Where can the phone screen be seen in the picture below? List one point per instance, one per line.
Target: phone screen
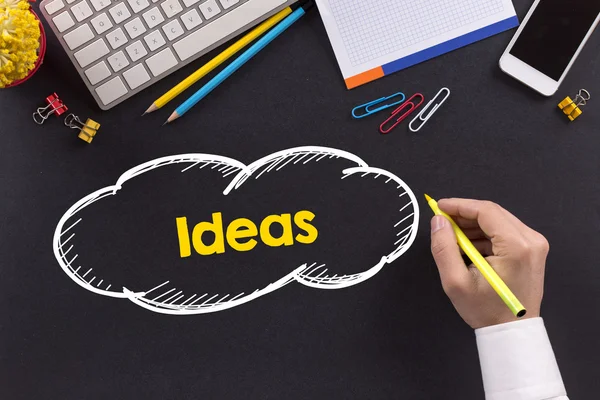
(554, 33)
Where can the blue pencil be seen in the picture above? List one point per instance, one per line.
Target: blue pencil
(238, 63)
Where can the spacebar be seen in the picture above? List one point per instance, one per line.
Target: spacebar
(224, 26)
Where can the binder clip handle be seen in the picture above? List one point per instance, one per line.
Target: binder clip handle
(55, 106)
(72, 121)
(87, 130)
(38, 117)
(584, 96)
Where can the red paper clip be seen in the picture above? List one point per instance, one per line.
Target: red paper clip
(408, 102)
(55, 106)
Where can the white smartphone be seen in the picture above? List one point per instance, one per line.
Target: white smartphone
(548, 41)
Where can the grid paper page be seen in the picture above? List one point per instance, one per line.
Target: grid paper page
(386, 25)
(366, 30)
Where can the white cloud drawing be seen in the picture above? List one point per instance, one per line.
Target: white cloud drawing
(165, 299)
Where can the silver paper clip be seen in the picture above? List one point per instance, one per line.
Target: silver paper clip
(421, 117)
(369, 111)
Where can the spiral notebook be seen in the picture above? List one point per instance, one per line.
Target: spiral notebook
(374, 38)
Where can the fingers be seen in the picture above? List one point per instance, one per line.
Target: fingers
(453, 271)
(491, 218)
(465, 223)
(474, 233)
(484, 246)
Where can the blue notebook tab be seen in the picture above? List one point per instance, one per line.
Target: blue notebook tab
(450, 45)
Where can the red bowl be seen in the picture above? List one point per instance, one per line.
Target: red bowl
(41, 53)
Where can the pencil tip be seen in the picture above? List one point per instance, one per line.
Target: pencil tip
(428, 198)
(150, 109)
(172, 118)
(166, 122)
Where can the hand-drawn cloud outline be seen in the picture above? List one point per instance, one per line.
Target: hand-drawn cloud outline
(305, 274)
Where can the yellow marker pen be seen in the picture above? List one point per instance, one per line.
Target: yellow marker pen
(482, 265)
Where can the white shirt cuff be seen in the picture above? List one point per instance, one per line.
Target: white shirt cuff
(518, 363)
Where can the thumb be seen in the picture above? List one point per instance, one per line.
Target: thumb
(446, 253)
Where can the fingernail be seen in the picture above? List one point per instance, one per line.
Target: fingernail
(438, 222)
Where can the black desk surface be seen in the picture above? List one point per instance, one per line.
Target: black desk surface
(494, 139)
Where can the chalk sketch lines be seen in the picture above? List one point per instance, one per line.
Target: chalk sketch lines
(167, 298)
(277, 161)
(409, 210)
(87, 278)
(165, 301)
(70, 227)
(220, 164)
(322, 280)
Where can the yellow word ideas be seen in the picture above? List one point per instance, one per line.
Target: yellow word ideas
(241, 232)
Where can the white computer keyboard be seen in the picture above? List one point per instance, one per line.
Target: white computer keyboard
(122, 47)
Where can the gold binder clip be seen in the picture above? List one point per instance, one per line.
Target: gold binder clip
(87, 131)
(572, 107)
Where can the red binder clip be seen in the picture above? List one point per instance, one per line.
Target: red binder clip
(413, 107)
(55, 106)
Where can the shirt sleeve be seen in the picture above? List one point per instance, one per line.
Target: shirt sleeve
(517, 362)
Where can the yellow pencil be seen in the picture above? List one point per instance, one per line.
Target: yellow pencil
(218, 60)
(482, 265)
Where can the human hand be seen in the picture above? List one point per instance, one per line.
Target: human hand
(515, 251)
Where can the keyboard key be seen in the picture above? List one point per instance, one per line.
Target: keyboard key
(91, 53)
(136, 76)
(120, 13)
(138, 5)
(111, 90)
(116, 38)
(63, 21)
(154, 40)
(122, 46)
(98, 73)
(135, 28)
(161, 62)
(118, 61)
(173, 30)
(153, 17)
(101, 23)
(224, 26)
(100, 4)
(191, 19)
(78, 36)
(136, 51)
(210, 9)
(81, 11)
(171, 7)
(228, 3)
(54, 6)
